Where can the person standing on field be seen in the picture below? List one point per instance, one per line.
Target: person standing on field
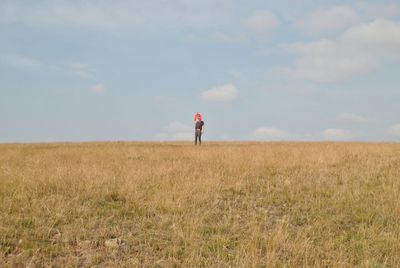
(198, 131)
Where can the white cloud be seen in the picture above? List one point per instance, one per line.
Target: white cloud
(268, 133)
(263, 23)
(19, 60)
(98, 88)
(80, 69)
(329, 19)
(395, 129)
(351, 118)
(224, 93)
(358, 51)
(337, 134)
(176, 131)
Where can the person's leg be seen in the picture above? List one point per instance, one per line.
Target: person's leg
(195, 137)
(200, 137)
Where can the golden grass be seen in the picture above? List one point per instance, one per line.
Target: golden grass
(222, 204)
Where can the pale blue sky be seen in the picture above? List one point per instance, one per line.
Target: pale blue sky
(257, 70)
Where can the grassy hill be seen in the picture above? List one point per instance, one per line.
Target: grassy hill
(221, 204)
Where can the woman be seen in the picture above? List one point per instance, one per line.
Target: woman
(198, 130)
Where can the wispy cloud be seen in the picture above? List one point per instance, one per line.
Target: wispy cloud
(358, 51)
(22, 61)
(379, 10)
(110, 15)
(51, 140)
(224, 93)
(329, 19)
(81, 69)
(337, 134)
(293, 89)
(268, 133)
(176, 131)
(225, 38)
(351, 118)
(262, 23)
(98, 88)
(394, 130)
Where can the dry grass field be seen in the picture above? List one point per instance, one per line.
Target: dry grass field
(220, 205)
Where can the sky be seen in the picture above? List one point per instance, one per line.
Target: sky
(301, 70)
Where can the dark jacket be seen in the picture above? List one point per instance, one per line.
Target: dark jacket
(199, 125)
